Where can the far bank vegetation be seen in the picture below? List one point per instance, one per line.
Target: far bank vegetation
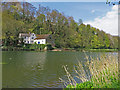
(23, 17)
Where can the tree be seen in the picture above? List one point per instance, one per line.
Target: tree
(23, 18)
(80, 22)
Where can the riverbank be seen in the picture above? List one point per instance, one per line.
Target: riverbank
(15, 49)
(57, 49)
(102, 50)
(88, 50)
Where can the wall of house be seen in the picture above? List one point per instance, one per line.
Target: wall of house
(30, 40)
(26, 40)
(40, 41)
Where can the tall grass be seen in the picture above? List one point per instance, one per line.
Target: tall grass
(100, 72)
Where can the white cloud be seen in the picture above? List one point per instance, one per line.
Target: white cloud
(107, 23)
(92, 11)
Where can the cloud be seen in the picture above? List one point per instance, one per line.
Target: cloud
(92, 11)
(107, 23)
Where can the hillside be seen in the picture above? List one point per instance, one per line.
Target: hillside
(20, 17)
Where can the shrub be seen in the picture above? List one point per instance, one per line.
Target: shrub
(49, 47)
(35, 46)
(103, 73)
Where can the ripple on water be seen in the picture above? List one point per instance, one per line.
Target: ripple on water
(48, 84)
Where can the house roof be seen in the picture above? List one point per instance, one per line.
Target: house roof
(24, 34)
(43, 36)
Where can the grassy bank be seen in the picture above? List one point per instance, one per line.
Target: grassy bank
(34, 47)
(97, 50)
(102, 50)
(26, 47)
(99, 73)
(88, 50)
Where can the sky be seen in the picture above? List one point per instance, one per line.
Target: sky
(108, 22)
(57, 0)
(61, 0)
(97, 14)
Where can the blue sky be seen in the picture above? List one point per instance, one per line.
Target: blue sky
(79, 10)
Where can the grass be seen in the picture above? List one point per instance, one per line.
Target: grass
(100, 72)
(102, 50)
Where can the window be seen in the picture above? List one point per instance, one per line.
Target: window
(32, 37)
(38, 42)
(28, 41)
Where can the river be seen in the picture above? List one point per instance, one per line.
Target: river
(30, 69)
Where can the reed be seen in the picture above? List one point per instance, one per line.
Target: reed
(100, 72)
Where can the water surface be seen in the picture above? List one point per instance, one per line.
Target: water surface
(30, 69)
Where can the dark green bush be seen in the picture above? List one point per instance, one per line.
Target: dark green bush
(49, 47)
(35, 46)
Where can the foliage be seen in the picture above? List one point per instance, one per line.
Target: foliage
(113, 2)
(24, 17)
(103, 73)
(87, 84)
(35, 46)
(49, 47)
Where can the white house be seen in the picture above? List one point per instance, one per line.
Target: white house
(41, 39)
(32, 38)
(27, 38)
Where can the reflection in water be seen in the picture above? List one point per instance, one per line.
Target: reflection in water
(22, 67)
(38, 62)
(26, 69)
